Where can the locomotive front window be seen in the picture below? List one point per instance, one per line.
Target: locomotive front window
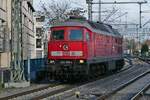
(76, 35)
(58, 35)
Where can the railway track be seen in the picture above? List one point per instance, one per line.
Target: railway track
(28, 91)
(46, 91)
(67, 94)
(70, 94)
(126, 87)
(88, 91)
(144, 60)
(141, 92)
(51, 91)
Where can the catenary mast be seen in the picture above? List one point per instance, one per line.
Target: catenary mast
(17, 69)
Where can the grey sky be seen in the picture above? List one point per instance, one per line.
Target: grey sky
(132, 9)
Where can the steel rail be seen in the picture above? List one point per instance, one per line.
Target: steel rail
(51, 93)
(26, 92)
(72, 91)
(71, 88)
(104, 96)
(144, 60)
(136, 96)
(49, 86)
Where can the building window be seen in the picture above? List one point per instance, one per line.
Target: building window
(39, 32)
(87, 36)
(38, 54)
(26, 21)
(1, 45)
(40, 19)
(38, 43)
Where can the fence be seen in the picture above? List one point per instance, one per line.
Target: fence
(4, 75)
(36, 65)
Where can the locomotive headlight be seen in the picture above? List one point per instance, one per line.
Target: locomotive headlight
(76, 53)
(51, 61)
(81, 61)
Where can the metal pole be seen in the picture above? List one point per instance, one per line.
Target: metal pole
(91, 12)
(21, 40)
(140, 14)
(11, 46)
(28, 68)
(2, 76)
(137, 30)
(99, 10)
(17, 68)
(89, 2)
(89, 17)
(140, 3)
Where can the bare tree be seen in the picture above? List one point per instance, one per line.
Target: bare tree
(77, 12)
(60, 11)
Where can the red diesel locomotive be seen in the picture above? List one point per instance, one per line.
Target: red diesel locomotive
(81, 48)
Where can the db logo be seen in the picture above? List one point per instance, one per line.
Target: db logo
(65, 47)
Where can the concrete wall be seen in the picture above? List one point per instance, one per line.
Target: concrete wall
(4, 60)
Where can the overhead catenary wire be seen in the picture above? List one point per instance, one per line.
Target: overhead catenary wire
(89, 2)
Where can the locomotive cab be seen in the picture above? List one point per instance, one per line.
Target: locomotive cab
(68, 45)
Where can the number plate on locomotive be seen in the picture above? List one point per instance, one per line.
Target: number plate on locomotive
(66, 53)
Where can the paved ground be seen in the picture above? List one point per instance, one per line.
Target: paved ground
(6, 92)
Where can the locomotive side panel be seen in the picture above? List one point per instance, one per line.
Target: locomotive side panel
(89, 40)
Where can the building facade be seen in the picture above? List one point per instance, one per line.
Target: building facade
(28, 30)
(4, 34)
(3, 21)
(39, 20)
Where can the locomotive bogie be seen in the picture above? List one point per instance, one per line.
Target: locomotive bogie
(67, 69)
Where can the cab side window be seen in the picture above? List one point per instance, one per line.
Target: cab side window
(87, 36)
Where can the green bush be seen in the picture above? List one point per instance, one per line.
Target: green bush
(144, 50)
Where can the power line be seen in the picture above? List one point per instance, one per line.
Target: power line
(90, 3)
(115, 2)
(119, 16)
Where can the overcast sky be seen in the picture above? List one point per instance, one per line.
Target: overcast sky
(132, 9)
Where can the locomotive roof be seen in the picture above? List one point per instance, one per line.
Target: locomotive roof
(97, 27)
